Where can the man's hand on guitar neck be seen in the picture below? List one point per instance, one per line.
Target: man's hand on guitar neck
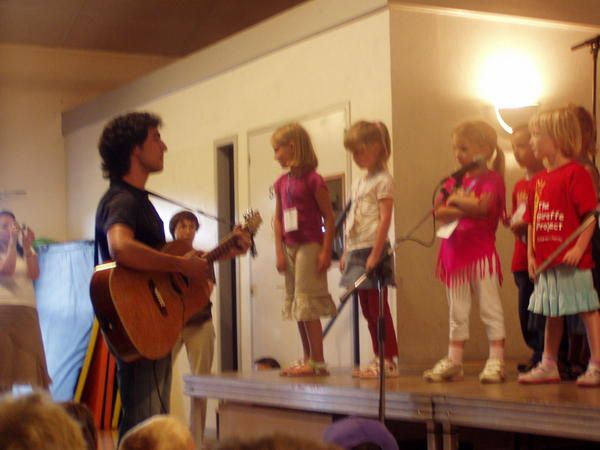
(243, 241)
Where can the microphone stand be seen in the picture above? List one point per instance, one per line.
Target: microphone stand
(574, 235)
(594, 44)
(377, 273)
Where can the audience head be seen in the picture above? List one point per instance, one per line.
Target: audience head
(7, 222)
(478, 138)
(120, 136)
(561, 125)
(277, 441)
(82, 414)
(369, 140)
(184, 225)
(34, 422)
(294, 139)
(266, 363)
(354, 433)
(158, 433)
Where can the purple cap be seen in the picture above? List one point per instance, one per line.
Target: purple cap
(353, 431)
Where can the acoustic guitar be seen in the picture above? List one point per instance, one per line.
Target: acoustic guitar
(142, 313)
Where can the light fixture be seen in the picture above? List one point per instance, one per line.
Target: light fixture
(510, 81)
(509, 118)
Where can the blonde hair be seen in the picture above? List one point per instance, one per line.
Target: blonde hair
(304, 154)
(33, 421)
(363, 132)
(483, 134)
(562, 125)
(160, 432)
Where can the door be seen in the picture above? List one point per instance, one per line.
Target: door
(271, 335)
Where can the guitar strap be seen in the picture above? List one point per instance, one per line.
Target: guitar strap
(181, 205)
(189, 208)
(205, 214)
(96, 251)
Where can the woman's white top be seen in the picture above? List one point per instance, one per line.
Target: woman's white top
(17, 289)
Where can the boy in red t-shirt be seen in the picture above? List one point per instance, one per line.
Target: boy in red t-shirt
(532, 325)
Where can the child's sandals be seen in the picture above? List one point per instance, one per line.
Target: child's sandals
(372, 370)
(292, 366)
(308, 368)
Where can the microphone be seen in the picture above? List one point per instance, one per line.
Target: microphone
(458, 175)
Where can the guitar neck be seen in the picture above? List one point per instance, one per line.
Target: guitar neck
(221, 250)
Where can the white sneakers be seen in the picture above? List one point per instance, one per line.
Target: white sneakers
(444, 370)
(493, 372)
(447, 370)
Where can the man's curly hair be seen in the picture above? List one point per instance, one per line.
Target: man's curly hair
(119, 138)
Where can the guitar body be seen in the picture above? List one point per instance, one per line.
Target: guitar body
(142, 314)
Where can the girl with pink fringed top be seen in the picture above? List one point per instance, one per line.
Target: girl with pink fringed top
(468, 262)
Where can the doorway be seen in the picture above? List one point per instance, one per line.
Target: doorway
(227, 273)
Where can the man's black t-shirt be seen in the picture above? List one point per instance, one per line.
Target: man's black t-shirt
(127, 205)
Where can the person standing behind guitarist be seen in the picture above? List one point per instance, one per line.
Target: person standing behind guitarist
(130, 231)
(198, 335)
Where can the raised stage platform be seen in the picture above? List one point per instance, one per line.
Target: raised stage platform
(561, 410)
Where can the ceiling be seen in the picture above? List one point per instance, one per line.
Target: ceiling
(171, 28)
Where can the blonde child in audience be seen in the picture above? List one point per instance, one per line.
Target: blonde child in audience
(160, 432)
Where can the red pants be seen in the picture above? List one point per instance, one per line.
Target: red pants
(369, 303)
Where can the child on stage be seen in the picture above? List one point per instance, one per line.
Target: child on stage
(303, 251)
(532, 325)
(560, 200)
(468, 262)
(367, 240)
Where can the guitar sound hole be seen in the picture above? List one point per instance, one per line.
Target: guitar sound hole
(175, 285)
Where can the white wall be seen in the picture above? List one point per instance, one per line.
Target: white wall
(436, 61)
(36, 86)
(349, 63)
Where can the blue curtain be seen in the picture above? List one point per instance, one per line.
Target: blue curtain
(65, 310)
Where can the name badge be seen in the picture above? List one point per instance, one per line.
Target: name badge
(446, 230)
(290, 219)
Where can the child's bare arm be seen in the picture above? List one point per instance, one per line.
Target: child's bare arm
(322, 197)
(447, 214)
(470, 204)
(574, 254)
(278, 229)
(386, 205)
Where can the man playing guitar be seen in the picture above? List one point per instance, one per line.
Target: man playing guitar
(130, 231)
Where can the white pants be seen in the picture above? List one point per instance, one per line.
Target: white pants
(199, 343)
(486, 290)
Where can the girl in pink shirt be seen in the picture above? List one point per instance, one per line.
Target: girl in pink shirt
(560, 200)
(468, 262)
(302, 249)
